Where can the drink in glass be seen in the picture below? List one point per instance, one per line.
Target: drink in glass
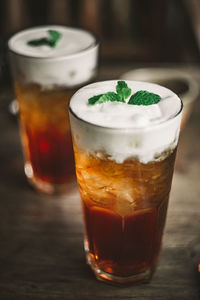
(124, 156)
(45, 78)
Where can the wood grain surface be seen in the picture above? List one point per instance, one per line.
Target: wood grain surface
(41, 237)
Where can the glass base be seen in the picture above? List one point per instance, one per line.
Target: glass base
(46, 187)
(143, 277)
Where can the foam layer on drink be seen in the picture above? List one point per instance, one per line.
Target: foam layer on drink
(122, 131)
(72, 62)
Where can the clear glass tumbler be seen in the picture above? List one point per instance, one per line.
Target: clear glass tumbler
(45, 78)
(124, 176)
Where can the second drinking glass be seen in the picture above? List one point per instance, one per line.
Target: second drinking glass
(48, 64)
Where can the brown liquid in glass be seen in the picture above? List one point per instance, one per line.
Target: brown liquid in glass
(124, 209)
(45, 131)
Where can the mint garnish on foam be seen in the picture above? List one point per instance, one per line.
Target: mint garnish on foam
(123, 92)
(50, 41)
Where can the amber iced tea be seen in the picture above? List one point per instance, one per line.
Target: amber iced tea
(45, 133)
(124, 209)
(124, 156)
(48, 64)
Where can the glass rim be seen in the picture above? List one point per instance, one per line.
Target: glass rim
(128, 128)
(94, 45)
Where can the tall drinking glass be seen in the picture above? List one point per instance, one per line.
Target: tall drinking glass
(46, 73)
(124, 156)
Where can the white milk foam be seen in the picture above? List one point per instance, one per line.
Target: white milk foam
(139, 131)
(72, 62)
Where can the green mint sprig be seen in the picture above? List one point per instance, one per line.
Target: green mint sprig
(123, 92)
(51, 41)
(144, 98)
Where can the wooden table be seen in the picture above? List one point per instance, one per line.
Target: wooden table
(41, 237)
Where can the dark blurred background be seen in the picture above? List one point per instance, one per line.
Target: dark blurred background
(130, 31)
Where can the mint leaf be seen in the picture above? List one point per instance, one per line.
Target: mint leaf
(54, 36)
(123, 90)
(109, 96)
(39, 42)
(94, 99)
(51, 41)
(144, 98)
